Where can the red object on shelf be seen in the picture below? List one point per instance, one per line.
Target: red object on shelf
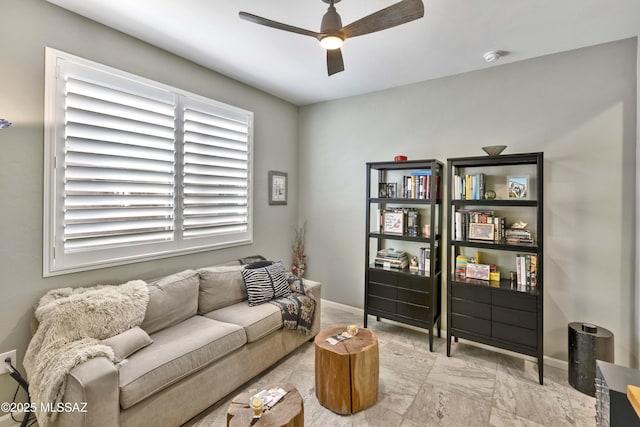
(399, 158)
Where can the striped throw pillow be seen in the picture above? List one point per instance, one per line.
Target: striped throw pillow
(265, 283)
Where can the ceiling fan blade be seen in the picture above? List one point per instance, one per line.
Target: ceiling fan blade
(396, 14)
(278, 25)
(334, 61)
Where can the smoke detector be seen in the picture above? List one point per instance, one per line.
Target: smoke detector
(492, 55)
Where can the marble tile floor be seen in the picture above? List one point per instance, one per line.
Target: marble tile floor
(417, 388)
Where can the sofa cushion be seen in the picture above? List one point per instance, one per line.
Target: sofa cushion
(172, 299)
(176, 352)
(128, 342)
(257, 321)
(220, 286)
(265, 283)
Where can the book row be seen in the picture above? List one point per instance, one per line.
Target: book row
(484, 225)
(469, 187)
(414, 186)
(523, 279)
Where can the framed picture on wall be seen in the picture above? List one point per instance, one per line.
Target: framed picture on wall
(277, 188)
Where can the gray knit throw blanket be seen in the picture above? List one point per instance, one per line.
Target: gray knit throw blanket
(298, 310)
(71, 324)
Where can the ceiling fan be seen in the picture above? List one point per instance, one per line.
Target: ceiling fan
(332, 34)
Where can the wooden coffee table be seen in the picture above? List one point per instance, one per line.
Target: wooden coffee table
(288, 412)
(347, 373)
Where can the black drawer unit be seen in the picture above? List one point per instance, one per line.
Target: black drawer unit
(497, 316)
(403, 297)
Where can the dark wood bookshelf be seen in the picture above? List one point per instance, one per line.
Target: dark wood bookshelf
(497, 313)
(406, 296)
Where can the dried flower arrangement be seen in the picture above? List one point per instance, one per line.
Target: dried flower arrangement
(299, 256)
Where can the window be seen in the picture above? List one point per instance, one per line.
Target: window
(138, 170)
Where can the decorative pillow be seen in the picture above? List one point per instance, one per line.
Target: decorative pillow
(128, 342)
(265, 283)
(258, 264)
(251, 259)
(220, 286)
(172, 299)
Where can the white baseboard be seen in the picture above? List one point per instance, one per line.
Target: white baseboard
(548, 361)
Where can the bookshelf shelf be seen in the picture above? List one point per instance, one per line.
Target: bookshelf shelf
(388, 200)
(529, 248)
(404, 295)
(406, 238)
(490, 203)
(502, 313)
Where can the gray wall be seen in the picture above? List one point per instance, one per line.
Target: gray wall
(578, 107)
(26, 27)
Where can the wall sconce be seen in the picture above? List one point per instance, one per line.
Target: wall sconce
(4, 123)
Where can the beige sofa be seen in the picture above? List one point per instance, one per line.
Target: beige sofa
(207, 342)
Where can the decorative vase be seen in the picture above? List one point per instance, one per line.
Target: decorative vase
(489, 194)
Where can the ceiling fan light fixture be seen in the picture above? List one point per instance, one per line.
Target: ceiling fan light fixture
(331, 42)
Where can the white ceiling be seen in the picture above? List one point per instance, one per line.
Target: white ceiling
(450, 39)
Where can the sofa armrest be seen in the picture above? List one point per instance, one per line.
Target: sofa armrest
(315, 288)
(96, 383)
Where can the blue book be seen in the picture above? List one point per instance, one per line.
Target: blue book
(424, 172)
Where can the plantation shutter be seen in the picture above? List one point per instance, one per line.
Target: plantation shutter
(137, 170)
(119, 163)
(216, 171)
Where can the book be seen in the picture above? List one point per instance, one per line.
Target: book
(527, 272)
(461, 266)
(270, 397)
(391, 253)
(420, 172)
(534, 271)
(518, 272)
(335, 339)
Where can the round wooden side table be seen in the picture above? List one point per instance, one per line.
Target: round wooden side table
(347, 373)
(288, 412)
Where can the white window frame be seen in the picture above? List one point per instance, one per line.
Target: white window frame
(58, 261)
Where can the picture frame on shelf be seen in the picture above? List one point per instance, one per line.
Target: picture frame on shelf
(478, 271)
(392, 190)
(393, 223)
(480, 231)
(278, 188)
(518, 187)
(383, 190)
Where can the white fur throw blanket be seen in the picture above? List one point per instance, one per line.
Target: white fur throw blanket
(72, 322)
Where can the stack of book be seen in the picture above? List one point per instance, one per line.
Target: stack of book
(389, 258)
(518, 235)
(461, 266)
